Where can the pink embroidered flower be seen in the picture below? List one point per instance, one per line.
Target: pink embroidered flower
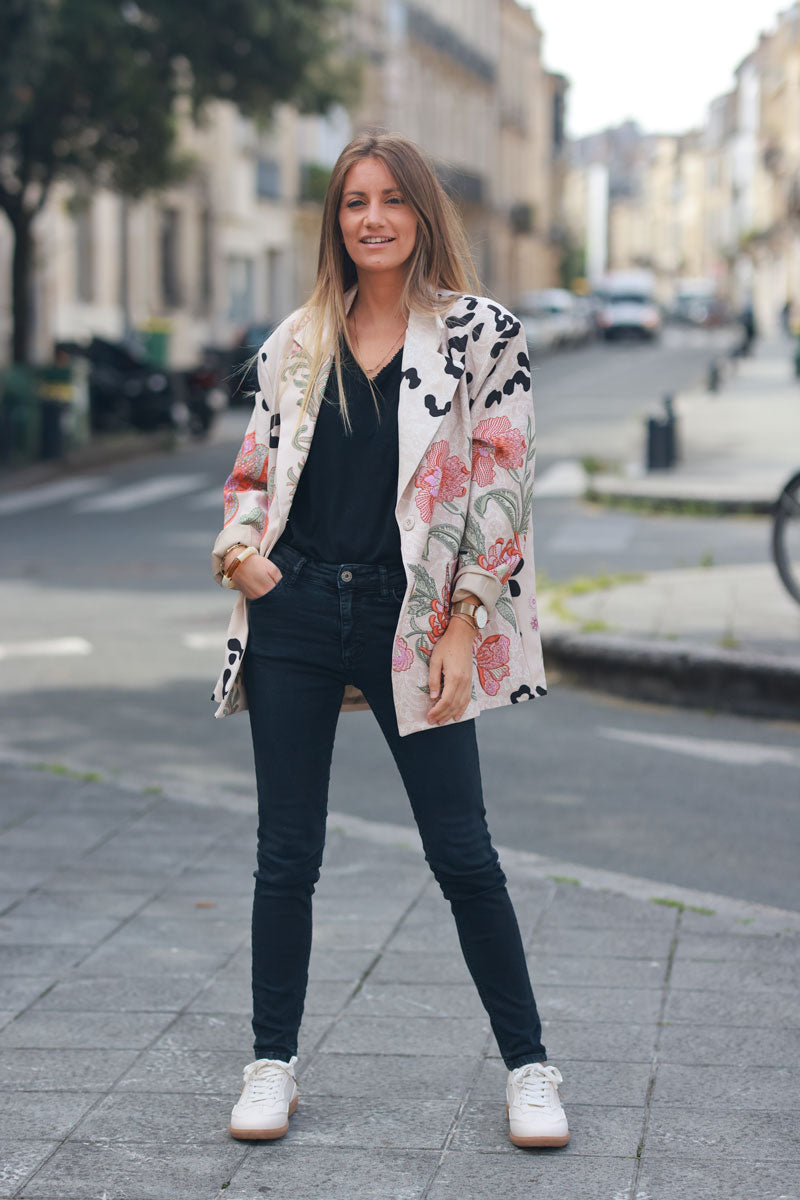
(402, 655)
(494, 441)
(439, 617)
(250, 467)
(535, 617)
(502, 557)
(492, 662)
(440, 478)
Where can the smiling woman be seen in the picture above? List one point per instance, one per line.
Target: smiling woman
(386, 480)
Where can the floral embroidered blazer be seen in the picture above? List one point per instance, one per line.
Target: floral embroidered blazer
(464, 492)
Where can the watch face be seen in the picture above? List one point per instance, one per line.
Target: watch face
(481, 616)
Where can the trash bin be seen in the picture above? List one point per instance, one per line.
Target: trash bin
(54, 390)
(155, 339)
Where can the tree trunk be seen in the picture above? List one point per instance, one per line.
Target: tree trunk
(21, 298)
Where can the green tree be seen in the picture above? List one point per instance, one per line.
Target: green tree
(89, 91)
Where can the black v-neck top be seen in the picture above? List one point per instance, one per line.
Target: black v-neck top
(343, 508)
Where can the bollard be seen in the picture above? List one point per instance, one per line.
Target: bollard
(714, 377)
(662, 438)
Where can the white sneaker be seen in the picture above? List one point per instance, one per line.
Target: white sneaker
(268, 1099)
(535, 1115)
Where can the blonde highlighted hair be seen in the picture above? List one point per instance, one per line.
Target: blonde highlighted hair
(440, 260)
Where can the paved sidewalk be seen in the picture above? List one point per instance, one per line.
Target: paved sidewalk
(125, 998)
(714, 636)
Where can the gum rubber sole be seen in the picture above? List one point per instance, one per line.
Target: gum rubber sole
(263, 1135)
(542, 1141)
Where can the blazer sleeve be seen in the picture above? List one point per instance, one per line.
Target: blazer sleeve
(501, 479)
(247, 491)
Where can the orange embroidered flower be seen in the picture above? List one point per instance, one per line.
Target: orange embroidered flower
(440, 478)
(495, 441)
(502, 557)
(492, 662)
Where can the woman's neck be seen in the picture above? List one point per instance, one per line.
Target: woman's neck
(377, 303)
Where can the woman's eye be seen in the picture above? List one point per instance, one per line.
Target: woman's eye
(395, 200)
(353, 203)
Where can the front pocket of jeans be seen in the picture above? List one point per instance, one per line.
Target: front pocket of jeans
(271, 592)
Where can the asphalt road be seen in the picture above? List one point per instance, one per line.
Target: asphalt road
(116, 563)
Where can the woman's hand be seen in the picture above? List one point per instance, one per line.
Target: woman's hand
(450, 674)
(255, 576)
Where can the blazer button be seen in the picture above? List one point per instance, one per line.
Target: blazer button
(408, 523)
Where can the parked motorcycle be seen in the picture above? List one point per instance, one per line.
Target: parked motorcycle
(126, 389)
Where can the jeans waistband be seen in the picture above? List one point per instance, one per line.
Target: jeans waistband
(368, 577)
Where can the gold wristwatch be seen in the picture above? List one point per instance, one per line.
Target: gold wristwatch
(477, 613)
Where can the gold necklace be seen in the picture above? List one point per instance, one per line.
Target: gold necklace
(371, 372)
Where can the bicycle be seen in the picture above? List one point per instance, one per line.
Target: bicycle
(786, 536)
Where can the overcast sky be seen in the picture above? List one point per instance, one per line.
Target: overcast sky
(658, 63)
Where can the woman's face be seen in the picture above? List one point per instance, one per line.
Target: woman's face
(378, 227)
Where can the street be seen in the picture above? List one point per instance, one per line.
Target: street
(112, 631)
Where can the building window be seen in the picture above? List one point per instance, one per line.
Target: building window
(206, 288)
(240, 276)
(170, 258)
(268, 179)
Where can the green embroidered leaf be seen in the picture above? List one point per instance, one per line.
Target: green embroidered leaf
(473, 535)
(424, 585)
(507, 500)
(450, 506)
(448, 535)
(506, 610)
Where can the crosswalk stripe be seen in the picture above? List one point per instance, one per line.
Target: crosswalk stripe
(204, 641)
(33, 499)
(46, 648)
(210, 499)
(137, 495)
(740, 754)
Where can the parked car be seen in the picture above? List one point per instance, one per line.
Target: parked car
(627, 306)
(554, 318)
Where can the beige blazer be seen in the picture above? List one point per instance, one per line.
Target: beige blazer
(464, 492)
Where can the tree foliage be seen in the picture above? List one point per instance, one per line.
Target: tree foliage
(89, 89)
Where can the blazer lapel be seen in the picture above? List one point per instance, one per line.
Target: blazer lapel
(426, 391)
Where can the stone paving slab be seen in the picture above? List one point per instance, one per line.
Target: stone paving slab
(411, 1000)
(733, 1086)
(601, 1041)
(167, 992)
(53, 1029)
(27, 1115)
(424, 1035)
(42, 1070)
(294, 1172)
(719, 1135)
(779, 1010)
(395, 1122)
(134, 1171)
(616, 1084)
(679, 1178)
(740, 977)
(409, 1076)
(726, 947)
(545, 1175)
(18, 1160)
(577, 971)
(714, 1044)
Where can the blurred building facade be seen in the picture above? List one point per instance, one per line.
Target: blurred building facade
(236, 244)
(721, 202)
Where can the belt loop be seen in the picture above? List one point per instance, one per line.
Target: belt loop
(384, 578)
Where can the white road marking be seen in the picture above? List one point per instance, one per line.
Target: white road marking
(137, 495)
(204, 641)
(210, 499)
(35, 498)
(740, 754)
(47, 648)
(566, 479)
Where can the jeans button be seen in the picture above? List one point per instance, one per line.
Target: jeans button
(346, 576)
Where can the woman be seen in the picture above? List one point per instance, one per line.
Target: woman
(387, 563)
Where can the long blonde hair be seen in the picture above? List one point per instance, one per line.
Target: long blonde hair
(440, 260)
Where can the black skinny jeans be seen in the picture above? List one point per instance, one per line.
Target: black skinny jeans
(322, 626)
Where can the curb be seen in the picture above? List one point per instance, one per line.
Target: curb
(680, 673)
(678, 502)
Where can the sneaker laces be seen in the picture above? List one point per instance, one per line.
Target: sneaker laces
(262, 1081)
(534, 1081)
